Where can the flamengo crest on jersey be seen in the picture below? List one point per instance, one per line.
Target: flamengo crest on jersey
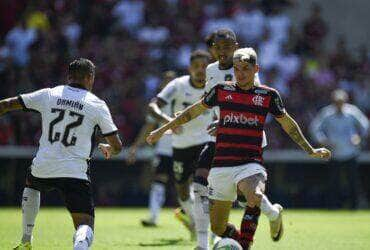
(69, 117)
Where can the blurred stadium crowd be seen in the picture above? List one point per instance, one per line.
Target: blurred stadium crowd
(133, 41)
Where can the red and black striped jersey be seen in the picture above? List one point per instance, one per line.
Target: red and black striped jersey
(242, 118)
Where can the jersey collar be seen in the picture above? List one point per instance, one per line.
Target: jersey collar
(77, 85)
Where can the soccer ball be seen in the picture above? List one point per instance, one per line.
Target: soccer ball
(227, 244)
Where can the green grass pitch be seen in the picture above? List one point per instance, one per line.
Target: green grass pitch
(120, 229)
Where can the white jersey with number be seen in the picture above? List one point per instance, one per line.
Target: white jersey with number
(69, 118)
(215, 75)
(179, 94)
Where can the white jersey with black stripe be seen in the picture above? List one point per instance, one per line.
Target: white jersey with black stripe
(69, 116)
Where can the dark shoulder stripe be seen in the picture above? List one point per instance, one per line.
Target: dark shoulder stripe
(240, 152)
(245, 108)
(259, 126)
(257, 141)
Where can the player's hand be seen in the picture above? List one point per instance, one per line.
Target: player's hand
(154, 136)
(212, 128)
(321, 153)
(131, 156)
(105, 149)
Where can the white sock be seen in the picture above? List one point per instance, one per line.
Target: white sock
(156, 199)
(187, 206)
(268, 209)
(201, 214)
(83, 238)
(30, 209)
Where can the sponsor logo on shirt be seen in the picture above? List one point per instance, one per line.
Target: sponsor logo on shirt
(240, 119)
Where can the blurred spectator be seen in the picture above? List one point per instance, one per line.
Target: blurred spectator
(130, 13)
(315, 29)
(343, 128)
(18, 41)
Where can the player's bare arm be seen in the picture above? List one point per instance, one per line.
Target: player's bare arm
(113, 147)
(185, 116)
(139, 141)
(9, 104)
(292, 128)
(156, 111)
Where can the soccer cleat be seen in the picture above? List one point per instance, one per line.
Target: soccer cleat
(148, 223)
(23, 246)
(185, 220)
(276, 226)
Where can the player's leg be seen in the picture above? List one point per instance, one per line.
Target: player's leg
(219, 212)
(157, 194)
(182, 170)
(79, 201)
(30, 209)
(201, 202)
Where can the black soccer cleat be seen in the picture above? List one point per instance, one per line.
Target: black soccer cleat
(148, 223)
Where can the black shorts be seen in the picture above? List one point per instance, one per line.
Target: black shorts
(185, 161)
(206, 156)
(164, 165)
(77, 193)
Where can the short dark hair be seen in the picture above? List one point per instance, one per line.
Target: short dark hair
(200, 54)
(225, 33)
(80, 68)
(209, 40)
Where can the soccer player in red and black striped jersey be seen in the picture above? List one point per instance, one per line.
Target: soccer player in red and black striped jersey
(238, 161)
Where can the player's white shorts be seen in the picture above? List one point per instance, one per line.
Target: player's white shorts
(223, 180)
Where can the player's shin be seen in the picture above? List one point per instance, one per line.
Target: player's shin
(201, 211)
(156, 200)
(30, 209)
(83, 238)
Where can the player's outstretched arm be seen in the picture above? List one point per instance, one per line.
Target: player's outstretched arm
(291, 127)
(139, 141)
(185, 116)
(10, 104)
(155, 109)
(113, 147)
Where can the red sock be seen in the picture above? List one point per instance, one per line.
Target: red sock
(249, 226)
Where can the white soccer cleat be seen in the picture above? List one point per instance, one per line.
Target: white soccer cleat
(276, 226)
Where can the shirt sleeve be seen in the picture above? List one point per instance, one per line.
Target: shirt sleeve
(317, 126)
(361, 120)
(277, 107)
(168, 93)
(105, 121)
(210, 98)
(35, 100)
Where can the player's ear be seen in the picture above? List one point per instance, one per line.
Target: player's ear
(256, 68)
